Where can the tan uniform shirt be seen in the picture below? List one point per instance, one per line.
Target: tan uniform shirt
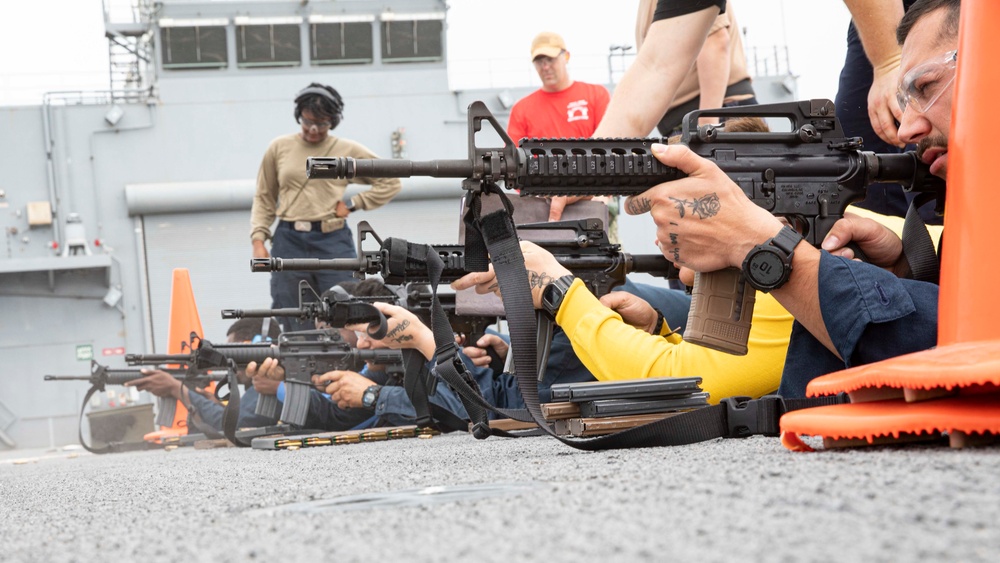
(284, 191)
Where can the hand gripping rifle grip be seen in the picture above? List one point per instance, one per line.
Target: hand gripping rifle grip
(721, 310)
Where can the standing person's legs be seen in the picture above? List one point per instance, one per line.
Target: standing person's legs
(288, 243)
(336, 244)
(852, 112)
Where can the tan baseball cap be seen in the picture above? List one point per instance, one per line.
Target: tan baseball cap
(547, 44)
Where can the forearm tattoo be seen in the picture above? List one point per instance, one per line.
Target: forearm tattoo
(638, 205)
(539, 279)
(703, 207)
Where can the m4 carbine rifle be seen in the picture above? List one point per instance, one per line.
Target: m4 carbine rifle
(166, 408)
(588, 254)
(337, 311)
(809, 174)
(301, 354)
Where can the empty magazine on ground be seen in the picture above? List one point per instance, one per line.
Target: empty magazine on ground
(247, 434)
(660, 387)
(620, 407)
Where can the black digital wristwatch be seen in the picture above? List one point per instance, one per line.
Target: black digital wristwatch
(553, 294)
(768, 266)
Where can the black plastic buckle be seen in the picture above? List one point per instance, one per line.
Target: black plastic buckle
(746, 417)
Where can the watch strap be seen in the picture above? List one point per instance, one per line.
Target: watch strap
(781, 244)
(786, 239)
(553, 294)
(373, 392)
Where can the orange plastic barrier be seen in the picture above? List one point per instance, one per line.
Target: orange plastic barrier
(959, 365)
(975, 414)
(969, 307)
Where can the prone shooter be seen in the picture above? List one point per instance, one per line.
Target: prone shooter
(809, 174)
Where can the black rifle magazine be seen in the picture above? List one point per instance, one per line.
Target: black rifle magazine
(247, 434)
(619, 407)
(658, 387)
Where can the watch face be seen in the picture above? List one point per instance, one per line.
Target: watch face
(766, 269)
(368, 398)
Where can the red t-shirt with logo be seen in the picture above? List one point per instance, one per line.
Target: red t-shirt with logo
(570, 113)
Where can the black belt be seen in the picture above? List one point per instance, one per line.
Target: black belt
(314, 225)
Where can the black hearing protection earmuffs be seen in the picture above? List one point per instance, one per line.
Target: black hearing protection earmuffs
(331, 95)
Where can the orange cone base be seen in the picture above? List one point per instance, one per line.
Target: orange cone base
(965, 364)
(871, 423)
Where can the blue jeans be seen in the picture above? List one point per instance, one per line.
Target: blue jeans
(289, 243)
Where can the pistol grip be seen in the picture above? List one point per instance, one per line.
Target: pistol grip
(267, 405)
(721, 311)
(166, 410)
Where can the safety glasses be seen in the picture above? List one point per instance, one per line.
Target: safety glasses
(924, 83)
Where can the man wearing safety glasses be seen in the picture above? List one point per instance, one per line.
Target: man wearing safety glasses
(847, 312)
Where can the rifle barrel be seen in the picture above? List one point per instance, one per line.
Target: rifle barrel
(289, 264)
(347, 167)
(260, 313)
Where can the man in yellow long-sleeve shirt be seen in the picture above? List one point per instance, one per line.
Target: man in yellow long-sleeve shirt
(617, 344)
(622, 337)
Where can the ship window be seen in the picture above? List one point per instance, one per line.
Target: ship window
(268, 45)
(412, 40)
(193, 47)
(341, 43)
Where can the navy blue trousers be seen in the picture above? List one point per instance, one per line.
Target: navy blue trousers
(852, 111)
(289, 243)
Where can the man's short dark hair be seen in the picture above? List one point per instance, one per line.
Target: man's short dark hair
(347, 286)
(371, 287)
(244, 330)
(922, 8)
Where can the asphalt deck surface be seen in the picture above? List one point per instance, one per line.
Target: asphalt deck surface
(503, 500)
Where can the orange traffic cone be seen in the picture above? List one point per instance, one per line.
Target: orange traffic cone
(184, 320)
(969, 308)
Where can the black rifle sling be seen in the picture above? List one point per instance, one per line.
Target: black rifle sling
(86, 398)
(416, 386)
(447, 363)
(418, 381)
(918, 247)
(734, 417)
(231, 414)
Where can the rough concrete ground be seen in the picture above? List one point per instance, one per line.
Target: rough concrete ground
(724, 500)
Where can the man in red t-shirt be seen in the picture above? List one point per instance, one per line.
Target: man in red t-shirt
(561, 107)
